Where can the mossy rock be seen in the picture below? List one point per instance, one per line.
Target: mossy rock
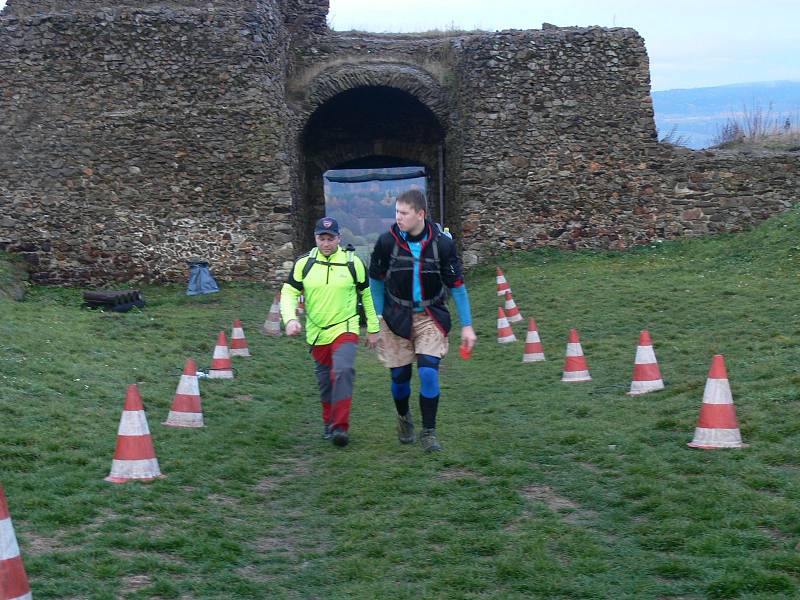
(13, 277)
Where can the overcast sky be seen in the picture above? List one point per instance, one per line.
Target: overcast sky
(691, 43)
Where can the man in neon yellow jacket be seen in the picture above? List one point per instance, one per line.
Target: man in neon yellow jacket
(331, 280)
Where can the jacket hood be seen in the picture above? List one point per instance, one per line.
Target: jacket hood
(432, 232)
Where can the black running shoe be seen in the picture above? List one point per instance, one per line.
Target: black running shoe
(340, 437)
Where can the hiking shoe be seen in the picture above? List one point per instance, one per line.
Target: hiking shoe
(405, 429)
(427, 438)
(340, 437)
(326, 432)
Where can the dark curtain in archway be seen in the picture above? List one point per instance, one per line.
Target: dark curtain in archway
(367, 127)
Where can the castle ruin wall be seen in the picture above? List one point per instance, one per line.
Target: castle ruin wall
(136, 136)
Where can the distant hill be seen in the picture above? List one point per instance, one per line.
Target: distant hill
(698, 113)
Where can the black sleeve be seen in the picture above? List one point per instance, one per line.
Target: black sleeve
(298, 285)
(360, 285)
(379, 261)
(450, 263)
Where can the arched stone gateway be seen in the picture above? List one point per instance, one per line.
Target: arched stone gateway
(137, 134)
(367, 116)
(412, 79)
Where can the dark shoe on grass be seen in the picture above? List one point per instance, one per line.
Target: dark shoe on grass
(405, 429)
(340, 437)
(427, 438)
(326, 432)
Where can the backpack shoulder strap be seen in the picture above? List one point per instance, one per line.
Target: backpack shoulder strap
(395, 257)
(360, 285)
(312, 258)
(351, 266)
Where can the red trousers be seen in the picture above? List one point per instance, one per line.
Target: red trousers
(336, 373)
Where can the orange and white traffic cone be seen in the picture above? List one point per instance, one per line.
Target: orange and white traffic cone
(646, 374)
(533, 345)
(512, 312)
(238, 341)
(272, 326)
(717, 426)
(505, 334)
(502, 284)
(13, 580)
(186, 409)
(575, 367)
(134, 457)
(221, 366)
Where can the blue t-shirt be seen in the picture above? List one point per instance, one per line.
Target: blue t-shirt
(416, 251)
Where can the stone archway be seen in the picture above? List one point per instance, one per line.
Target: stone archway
(368, 116)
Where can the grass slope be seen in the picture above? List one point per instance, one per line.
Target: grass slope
(545, 490)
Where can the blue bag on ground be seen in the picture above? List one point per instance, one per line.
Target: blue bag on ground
(200, 279)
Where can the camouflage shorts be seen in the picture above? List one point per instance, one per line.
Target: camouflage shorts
(426, 338)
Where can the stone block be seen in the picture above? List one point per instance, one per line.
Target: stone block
(692, 214)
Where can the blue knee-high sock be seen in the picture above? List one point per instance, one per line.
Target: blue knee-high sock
(428, 367)
(401, 388)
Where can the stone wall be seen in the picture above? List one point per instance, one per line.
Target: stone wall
(719, 191)
(550, 138)
(136, 138)
(306, 17)
(672, 193)
(21, 8)
(139, 135)
(544, 112)
(559, 148)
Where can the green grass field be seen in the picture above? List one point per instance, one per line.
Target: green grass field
(544, 490)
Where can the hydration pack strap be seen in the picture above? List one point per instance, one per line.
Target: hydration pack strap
(429, 266)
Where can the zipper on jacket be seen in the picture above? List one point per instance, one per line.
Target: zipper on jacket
(327, 268)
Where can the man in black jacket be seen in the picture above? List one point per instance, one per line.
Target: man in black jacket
(410, 267)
